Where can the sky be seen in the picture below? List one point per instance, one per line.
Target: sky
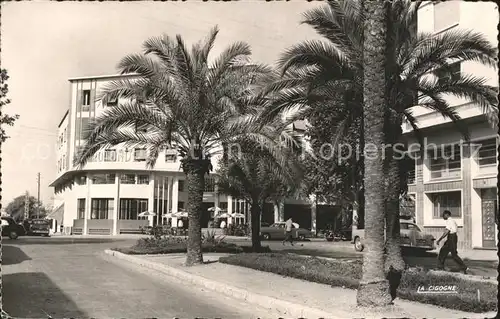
(43, 44)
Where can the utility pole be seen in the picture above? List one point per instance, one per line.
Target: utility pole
(26, 206)
(38, 199)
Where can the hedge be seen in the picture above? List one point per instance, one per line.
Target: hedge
(347, 273)
(172, 245)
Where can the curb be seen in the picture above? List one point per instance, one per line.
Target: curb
(285, 307)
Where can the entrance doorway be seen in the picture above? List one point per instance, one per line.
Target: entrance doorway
(489, 210)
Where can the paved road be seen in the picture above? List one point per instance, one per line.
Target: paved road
(61, 279)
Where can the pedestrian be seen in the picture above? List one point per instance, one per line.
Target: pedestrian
(223, 224)
(288, 231)
(450, 245)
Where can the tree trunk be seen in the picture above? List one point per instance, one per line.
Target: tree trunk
(394, 263)
(255, 212)
(314, 202)
(374, 289)
(195, 170)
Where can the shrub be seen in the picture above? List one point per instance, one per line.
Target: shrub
(237, 230)
(347, 273)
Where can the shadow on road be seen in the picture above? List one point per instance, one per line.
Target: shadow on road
(13, 255)
(34, 295)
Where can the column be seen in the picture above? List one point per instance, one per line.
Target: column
(163, 208)
(116, 205)
(88, 205)
(216, 194)
(313, 199)
(175, 198)
(467, 194)
(229, 208)
(151, 197)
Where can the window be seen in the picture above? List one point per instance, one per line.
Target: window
(102, 208)
(103, 179)
(84, 128)
(446, 14)
(64, 136)
(180, 185)
(80, 208)
(130, 208)
(449, 73)
(445, 162)
(180, 205)
(81, 180)
(209, 184)
(86, 98)
(409, 165)
(170, 156)
(110, 155)
(64, 161)
(223, 205)
(142, 179)
(140, 154)
(487, 153)
(451, 201)
(127, 179)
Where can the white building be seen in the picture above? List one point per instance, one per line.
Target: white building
(106, 195)
(467, 184)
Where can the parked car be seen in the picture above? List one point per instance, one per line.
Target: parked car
(10, 228)
(412, 236)
(39, 227)
(277, 231)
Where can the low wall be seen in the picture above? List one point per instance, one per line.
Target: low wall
(77, 227)
(100, 226)
(131, 226)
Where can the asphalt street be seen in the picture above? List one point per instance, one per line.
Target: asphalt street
(74, 279)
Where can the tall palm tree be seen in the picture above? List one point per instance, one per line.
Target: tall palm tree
(179, 100)
(373, 289)
(257, 177)
(419, 72)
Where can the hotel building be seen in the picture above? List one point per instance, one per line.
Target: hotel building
(459, 178)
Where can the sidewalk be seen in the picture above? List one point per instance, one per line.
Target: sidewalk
(292, 297)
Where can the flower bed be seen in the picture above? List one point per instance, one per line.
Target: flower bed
(171, 245)
(347, 273)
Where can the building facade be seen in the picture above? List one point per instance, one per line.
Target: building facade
(450, 174)
(114, 187)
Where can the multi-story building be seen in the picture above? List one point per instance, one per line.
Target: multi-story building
(457, 176)
(114, 187)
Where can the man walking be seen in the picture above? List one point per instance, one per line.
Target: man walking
(288, 231)
(450, 245)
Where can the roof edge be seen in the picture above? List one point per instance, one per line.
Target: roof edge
(105, 76)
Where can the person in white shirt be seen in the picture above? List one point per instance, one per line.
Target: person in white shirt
(450, 245)
(223, 224)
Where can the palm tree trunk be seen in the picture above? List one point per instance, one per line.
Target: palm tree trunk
(394, 263)
(255, 212)
(374, 289)
(195, 170)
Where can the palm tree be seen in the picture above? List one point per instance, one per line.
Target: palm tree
(420, 72)
(258, 178)
(178, 99)
(373, 289)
